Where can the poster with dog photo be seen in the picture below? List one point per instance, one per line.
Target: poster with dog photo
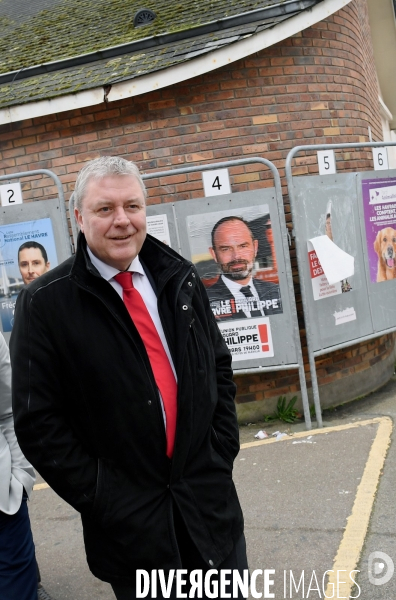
(379, 201)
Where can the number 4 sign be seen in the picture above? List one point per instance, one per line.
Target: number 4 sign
(216, 183)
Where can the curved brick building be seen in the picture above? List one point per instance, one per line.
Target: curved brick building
(267, 77)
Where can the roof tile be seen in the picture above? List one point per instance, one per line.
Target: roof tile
(66, 28)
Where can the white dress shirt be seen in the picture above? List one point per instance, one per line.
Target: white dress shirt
(142, 284)
(235, 289)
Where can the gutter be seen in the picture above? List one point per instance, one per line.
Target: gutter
(281, 9)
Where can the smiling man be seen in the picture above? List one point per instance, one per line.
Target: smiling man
(32, 261)
(123, 393)
(236, 294)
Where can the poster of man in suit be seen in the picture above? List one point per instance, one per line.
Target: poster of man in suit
(234, 253)
(27, 250)
(235, 256)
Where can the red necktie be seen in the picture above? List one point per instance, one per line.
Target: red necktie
(162, 370)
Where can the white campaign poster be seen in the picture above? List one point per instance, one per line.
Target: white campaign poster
(320, 286)
(247, 339)
(336, 264)
(157, 226)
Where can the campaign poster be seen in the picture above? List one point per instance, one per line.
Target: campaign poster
(12, 237)
(321, 288)
(379, 202)
(248, 339)
(157, 226)
(234, 253)
(334, 227)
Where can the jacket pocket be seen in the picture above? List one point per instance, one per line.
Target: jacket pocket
(100, 500)
(220, 448)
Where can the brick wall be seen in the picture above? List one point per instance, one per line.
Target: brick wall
(351, 361)
(319, 86)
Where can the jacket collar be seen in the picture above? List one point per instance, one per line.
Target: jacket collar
(159, 260)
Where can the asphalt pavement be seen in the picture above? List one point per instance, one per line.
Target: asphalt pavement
(318, 506)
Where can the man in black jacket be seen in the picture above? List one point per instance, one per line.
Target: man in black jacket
(123, 393)
(236, 294)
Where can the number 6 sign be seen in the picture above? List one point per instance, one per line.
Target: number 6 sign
(380, 156)
(216, 182)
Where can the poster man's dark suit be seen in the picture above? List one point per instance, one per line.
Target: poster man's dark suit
(225, 306)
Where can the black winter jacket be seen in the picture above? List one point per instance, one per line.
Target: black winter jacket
(88, 415)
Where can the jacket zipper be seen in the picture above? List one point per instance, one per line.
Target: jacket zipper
(165, 327)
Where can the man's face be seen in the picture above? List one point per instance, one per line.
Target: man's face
(113, 219)
(234, 250)
(31, 264)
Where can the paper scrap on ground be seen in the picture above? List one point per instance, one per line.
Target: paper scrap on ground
(336, 264)
(278, 435)
(261, 435)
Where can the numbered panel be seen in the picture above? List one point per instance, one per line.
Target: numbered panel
(39, 226)
(329, 207)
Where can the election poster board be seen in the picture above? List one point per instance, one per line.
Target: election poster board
(34, 223)
(331, 258)
(12, 237)
(351, 219)
(235, 243)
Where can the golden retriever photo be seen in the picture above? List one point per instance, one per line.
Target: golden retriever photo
(385, 247)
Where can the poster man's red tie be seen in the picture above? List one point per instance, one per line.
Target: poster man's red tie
(162, 370)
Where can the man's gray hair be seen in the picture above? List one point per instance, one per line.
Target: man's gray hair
(102, 167)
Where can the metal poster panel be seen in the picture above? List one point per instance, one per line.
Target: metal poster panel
(32, 241)
(235, 243)
(161, 224)
(327, 218)
(377, 193)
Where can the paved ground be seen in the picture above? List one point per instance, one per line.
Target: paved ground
(308, 499)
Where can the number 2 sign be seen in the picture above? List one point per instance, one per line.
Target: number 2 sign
(216, 182)
(11, 194)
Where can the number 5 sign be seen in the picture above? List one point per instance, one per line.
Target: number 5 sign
(216, 183)
(326, 162)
